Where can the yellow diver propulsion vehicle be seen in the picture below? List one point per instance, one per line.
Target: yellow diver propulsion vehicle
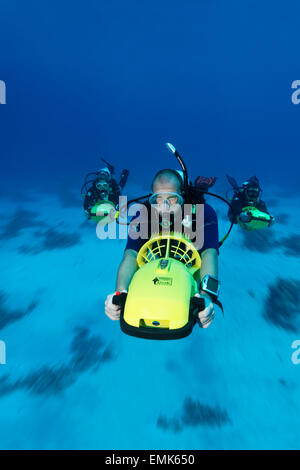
(253, 219)
(160, 303)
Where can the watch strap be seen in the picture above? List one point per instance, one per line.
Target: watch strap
(215, 300)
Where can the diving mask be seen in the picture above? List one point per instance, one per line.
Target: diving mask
(166, 199)
(252, 194)
(102, 185)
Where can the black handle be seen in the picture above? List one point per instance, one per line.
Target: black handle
(120, 300)
(196, 305)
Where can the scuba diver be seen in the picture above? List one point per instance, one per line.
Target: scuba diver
(102, 188)
(247, 208)
(171, 189)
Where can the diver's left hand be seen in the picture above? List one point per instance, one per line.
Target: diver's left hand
(272, 221)
(245, 217)
(206, 315)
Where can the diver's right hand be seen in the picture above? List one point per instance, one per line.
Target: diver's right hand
(112, 311)
(245, 217)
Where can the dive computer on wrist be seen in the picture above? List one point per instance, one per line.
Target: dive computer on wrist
(211, 286)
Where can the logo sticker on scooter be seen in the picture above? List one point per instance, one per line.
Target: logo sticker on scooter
(162, 281)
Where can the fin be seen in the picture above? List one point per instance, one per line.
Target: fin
(254, 179)
(109, 166)
(123, 178)
(233, 182)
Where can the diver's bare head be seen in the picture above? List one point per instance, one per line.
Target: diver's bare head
(167, 180)
(166, 189)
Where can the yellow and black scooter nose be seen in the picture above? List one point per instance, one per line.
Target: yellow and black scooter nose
(158, 302)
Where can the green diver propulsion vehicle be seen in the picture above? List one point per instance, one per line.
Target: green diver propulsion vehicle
(103, 212)
(253, 219)
(161, 302)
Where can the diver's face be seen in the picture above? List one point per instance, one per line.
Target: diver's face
(252, 195)
(167, 196)
(102, 186)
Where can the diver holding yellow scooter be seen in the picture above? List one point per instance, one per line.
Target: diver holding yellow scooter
(247, 209)
(165, 283)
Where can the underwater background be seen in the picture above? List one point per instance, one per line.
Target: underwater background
(117, 80)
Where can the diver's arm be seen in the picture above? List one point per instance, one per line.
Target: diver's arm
(92, 197)
(126, 270)
(209, 263)
(262, 207)
(209, 266)
(235, 209)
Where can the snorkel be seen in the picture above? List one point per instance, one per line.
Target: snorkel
(175, 152)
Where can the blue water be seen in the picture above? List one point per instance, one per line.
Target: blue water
(117, 80)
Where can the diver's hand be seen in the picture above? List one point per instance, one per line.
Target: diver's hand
(245, 217)
(112, 311)
(272, 221)
(87, 213)
(206, 315)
